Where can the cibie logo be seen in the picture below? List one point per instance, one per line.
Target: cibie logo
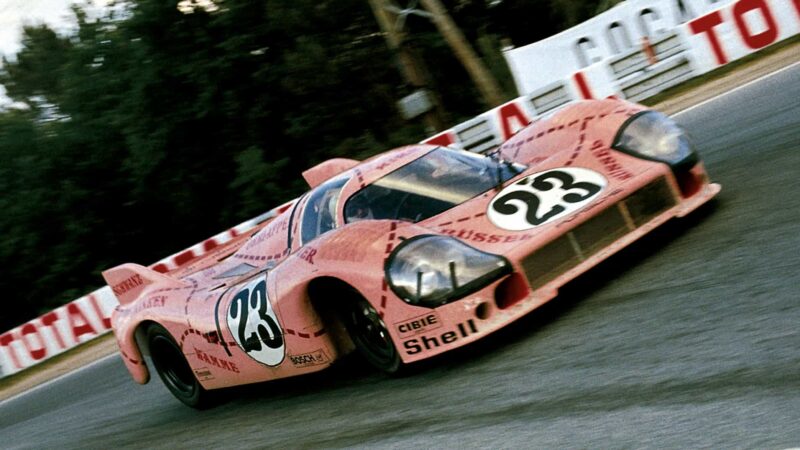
(254, 325)
(544, 197)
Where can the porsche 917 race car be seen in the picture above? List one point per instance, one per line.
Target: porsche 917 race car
(411, 253)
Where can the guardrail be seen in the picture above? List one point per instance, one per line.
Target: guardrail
(674, 55)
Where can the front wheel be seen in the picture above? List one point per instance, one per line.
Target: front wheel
(370, 336)
(174, 370)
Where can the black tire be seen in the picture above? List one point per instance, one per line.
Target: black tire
(174, 370)
(370, 336)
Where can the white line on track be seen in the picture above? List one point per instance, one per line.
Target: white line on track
(57, 379)
(737, 88)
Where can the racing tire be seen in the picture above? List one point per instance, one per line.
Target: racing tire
(370, 335)
(174, 370)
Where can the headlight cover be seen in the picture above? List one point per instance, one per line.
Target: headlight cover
(654, 136)
(433, 270)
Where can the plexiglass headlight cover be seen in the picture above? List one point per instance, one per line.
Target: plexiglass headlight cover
(654, 136)
(433, 270)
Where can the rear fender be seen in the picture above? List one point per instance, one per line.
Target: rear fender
(133, 347)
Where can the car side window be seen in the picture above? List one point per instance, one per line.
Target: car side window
(319, 214)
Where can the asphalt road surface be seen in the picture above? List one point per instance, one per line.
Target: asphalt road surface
(689, 339)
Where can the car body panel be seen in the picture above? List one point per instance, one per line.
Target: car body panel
(201, 309)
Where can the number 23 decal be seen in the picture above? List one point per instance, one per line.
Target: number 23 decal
(254, 325)
(543, 197)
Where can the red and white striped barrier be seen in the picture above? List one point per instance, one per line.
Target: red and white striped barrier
(88, 317)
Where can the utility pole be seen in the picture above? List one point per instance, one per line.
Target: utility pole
(483, 79)
(411, 66)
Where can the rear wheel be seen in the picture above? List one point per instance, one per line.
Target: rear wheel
(369, 334)
(174, 370)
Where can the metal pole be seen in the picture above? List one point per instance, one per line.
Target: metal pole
(411, 66)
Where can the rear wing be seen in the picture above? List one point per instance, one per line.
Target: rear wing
(127, 281)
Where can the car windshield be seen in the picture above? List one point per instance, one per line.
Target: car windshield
(428, 186)
(319, 215)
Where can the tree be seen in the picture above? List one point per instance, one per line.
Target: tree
(152, 128)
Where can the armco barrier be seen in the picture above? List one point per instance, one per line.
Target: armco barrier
(607, 60)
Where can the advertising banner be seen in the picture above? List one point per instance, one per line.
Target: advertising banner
(609, 34)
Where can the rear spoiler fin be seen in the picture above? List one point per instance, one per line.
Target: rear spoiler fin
(127, 281)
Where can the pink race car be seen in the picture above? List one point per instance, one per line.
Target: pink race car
(411, 253)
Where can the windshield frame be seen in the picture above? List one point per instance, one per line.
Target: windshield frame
(480, 173)
(322, 194)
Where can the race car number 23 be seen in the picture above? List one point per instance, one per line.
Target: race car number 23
(254, 325)
(543, 197)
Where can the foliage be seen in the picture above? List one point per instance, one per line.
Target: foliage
(152, 128)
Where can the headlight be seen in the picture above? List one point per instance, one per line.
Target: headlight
(654, 136)
(433, 270)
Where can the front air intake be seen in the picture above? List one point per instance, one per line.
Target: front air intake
(598, 232)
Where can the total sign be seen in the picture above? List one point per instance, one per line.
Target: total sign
(714, 33)
(57, 331)
(611, 33)
(739, 29)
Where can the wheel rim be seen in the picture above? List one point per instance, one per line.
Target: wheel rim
(172, 366)
(371, 333)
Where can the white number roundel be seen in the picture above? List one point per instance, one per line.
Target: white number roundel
(254, 325)
(544, 197)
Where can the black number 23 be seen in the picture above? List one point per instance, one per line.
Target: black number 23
(576, 193)
(267, 331)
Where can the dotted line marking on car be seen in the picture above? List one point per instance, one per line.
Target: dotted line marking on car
(131, 360)
(188, 298)
(157, 291)
(463, 219)
(213, 338)
(384, 284)
(392, 237)
(360, 177)
(581, 140)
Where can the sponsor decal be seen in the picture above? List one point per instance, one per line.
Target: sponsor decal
(418, 325)
(544, 197)
(254, 325)
(478, 236)
(309, 359)
(151, 302)
(308, 254)
(230, 366)
(398, 155)
(605, 157)
(203, 374)
(127, 284)
(417, 345)
(279, 225)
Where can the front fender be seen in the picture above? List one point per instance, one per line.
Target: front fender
(355, 255)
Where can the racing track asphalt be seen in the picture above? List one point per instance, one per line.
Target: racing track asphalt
(689, 339)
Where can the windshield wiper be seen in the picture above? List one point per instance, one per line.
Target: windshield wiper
(500, 162)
